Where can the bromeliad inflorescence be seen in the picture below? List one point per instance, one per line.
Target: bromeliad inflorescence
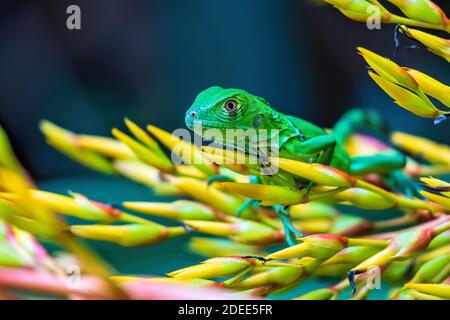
(278, 179)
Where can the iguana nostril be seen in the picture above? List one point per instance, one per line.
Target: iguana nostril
(194, 114)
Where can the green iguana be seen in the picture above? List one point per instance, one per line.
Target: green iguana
(222, 109)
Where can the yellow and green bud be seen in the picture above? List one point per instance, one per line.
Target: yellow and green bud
(319, 246)
(243, 231)
(184, 150)
(419, 105)
(431, 86)
(7, 156)
(422, 10)
(146, 175)
(399, 85)
(397, 270)
(196, 282)
(177, 210)
(358, 10)
(144, 153)
(66, 142)
(268, 194)
(350, 225)
(351, 256)
(214, 268)
(128, 235)
(319, 294)
(236, 161)
(142, 136)
(388, 70)
(440, 240)
(212, 247)
(403, 246)
(442, 197)
(439, 290)
(316, 172)
(313, 210)
(427, 149)
(278, 277)
(365, 199)
(435, 44)
(433, 271)
(211, 195)
(106, 146)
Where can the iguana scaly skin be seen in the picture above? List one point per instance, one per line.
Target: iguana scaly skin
(224, 109)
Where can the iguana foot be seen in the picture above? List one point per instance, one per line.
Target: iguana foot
(290, 231)
(249, 202)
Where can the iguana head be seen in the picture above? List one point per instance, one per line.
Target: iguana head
(223, 109)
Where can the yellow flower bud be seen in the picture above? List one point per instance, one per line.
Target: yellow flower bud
(317, 172)
(422, 10)
(319, 246)
(7, 157)
(177, 210)
(233, 160)
(214, 268)
(365, 199)
(427, 149)
(435, 44)
(146, 175)
(105, 146)
(441, 200)
(268, 194)
(186, 151)
(141, 135)
(313, 210)
(128, 235)
(419, 105)
(278, 277)
(431, 86)
(388, 70)
(199, 190)
(435, 270)
(144, 153)
(440, 290)
(403, 246)
(351, 256)
(243, 231)
(358, 10)
(319, 294)
(211, 247)
(66, 142)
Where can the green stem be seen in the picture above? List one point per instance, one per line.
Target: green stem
(402, 20)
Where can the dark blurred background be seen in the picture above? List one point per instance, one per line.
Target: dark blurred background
(148, 59)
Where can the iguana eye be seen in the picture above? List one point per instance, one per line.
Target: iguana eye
(231, 105)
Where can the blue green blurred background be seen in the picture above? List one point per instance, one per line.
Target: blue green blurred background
(148, 59)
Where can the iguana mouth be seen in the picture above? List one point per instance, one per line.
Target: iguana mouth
(193, 123)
